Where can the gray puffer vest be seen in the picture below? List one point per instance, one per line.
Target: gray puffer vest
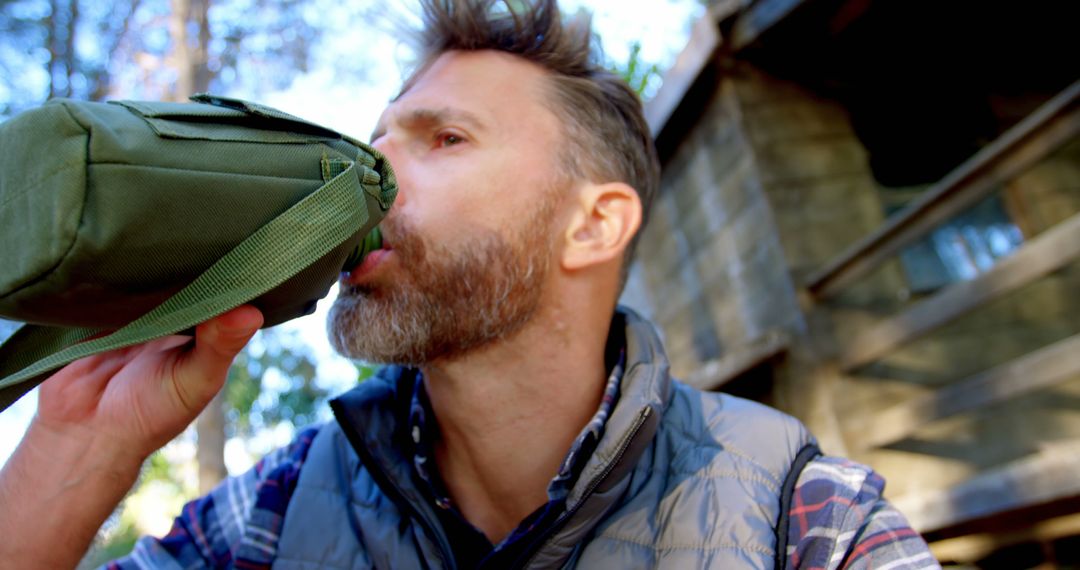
(680, 479)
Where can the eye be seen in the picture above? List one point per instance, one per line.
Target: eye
(448, 139)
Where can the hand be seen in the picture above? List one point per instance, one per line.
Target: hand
(98, 419)
(136, 399)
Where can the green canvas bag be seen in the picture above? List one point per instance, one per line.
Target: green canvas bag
(127, 221)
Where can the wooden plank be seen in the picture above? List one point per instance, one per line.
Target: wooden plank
(715, 373)
(705, 40)
(699, 50)
(761, 16)
(1046, 253)
(1021, 147)
(1045, 476)
(973, 547)
(1042, 368)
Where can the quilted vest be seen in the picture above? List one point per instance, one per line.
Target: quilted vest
(680, 479)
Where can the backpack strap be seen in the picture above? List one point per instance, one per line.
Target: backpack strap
(787, 493)
(327, 217)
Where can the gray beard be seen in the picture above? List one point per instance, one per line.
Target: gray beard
(445, 303)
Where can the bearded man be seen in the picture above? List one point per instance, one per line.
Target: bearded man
(525, 421)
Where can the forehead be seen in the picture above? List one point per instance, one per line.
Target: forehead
(497, 89)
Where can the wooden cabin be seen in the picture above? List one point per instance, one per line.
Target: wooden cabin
(870, 218)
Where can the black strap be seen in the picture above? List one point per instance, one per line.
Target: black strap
(805, 455)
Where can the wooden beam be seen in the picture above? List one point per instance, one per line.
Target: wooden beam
(699, 51)
(761, 16)
(1042, 368)
(971, 548)
(715, 373)
(1046, 476)
(1046, 253)
(1024, 145)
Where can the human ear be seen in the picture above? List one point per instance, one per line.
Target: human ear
(604, 221)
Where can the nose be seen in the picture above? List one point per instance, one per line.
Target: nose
(382, 144)
(385, 145)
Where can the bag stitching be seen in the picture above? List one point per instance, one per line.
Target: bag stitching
(37, 184)
(82, 212)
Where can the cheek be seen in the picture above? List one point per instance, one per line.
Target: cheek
(478, 192)
(516, 193)
(451, 201)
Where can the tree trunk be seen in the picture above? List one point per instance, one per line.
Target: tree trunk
(201, 52)
(210, 448)
(52, 41)
(70, 68)
(102, 81)
(180, 58)
(60, 29)
(188, 59)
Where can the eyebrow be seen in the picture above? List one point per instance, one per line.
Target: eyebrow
(426, 117)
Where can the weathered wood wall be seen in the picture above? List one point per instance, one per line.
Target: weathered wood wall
(769, 185)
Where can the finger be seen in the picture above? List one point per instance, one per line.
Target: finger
(87, 375)
(217, 343)
(90, 374)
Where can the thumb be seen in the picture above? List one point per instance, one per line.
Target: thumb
(217, 343)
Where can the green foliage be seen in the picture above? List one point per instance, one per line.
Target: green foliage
(272, 358)
(643, 77)
(121, 531)
(364, 370)
(273, 380)
(119, 543)
(158, 468)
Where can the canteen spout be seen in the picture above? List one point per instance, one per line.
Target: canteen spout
(370, 243)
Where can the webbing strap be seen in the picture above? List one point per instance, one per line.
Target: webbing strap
(787, 493)
(265, 259)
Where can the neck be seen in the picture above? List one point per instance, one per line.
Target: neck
(508, 414)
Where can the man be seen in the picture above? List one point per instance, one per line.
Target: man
(529, 423)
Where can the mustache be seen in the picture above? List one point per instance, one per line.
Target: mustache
(401, 236)
(408, 246)
(395, 233)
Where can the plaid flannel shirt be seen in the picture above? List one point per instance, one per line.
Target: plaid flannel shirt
(838, 518)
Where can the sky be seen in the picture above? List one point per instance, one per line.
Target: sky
(662, 27)
(353, 107)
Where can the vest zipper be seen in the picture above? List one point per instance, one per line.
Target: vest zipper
(388, 485)
(542, 540)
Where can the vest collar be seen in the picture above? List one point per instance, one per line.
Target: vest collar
(375, 415)
(645, 391)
